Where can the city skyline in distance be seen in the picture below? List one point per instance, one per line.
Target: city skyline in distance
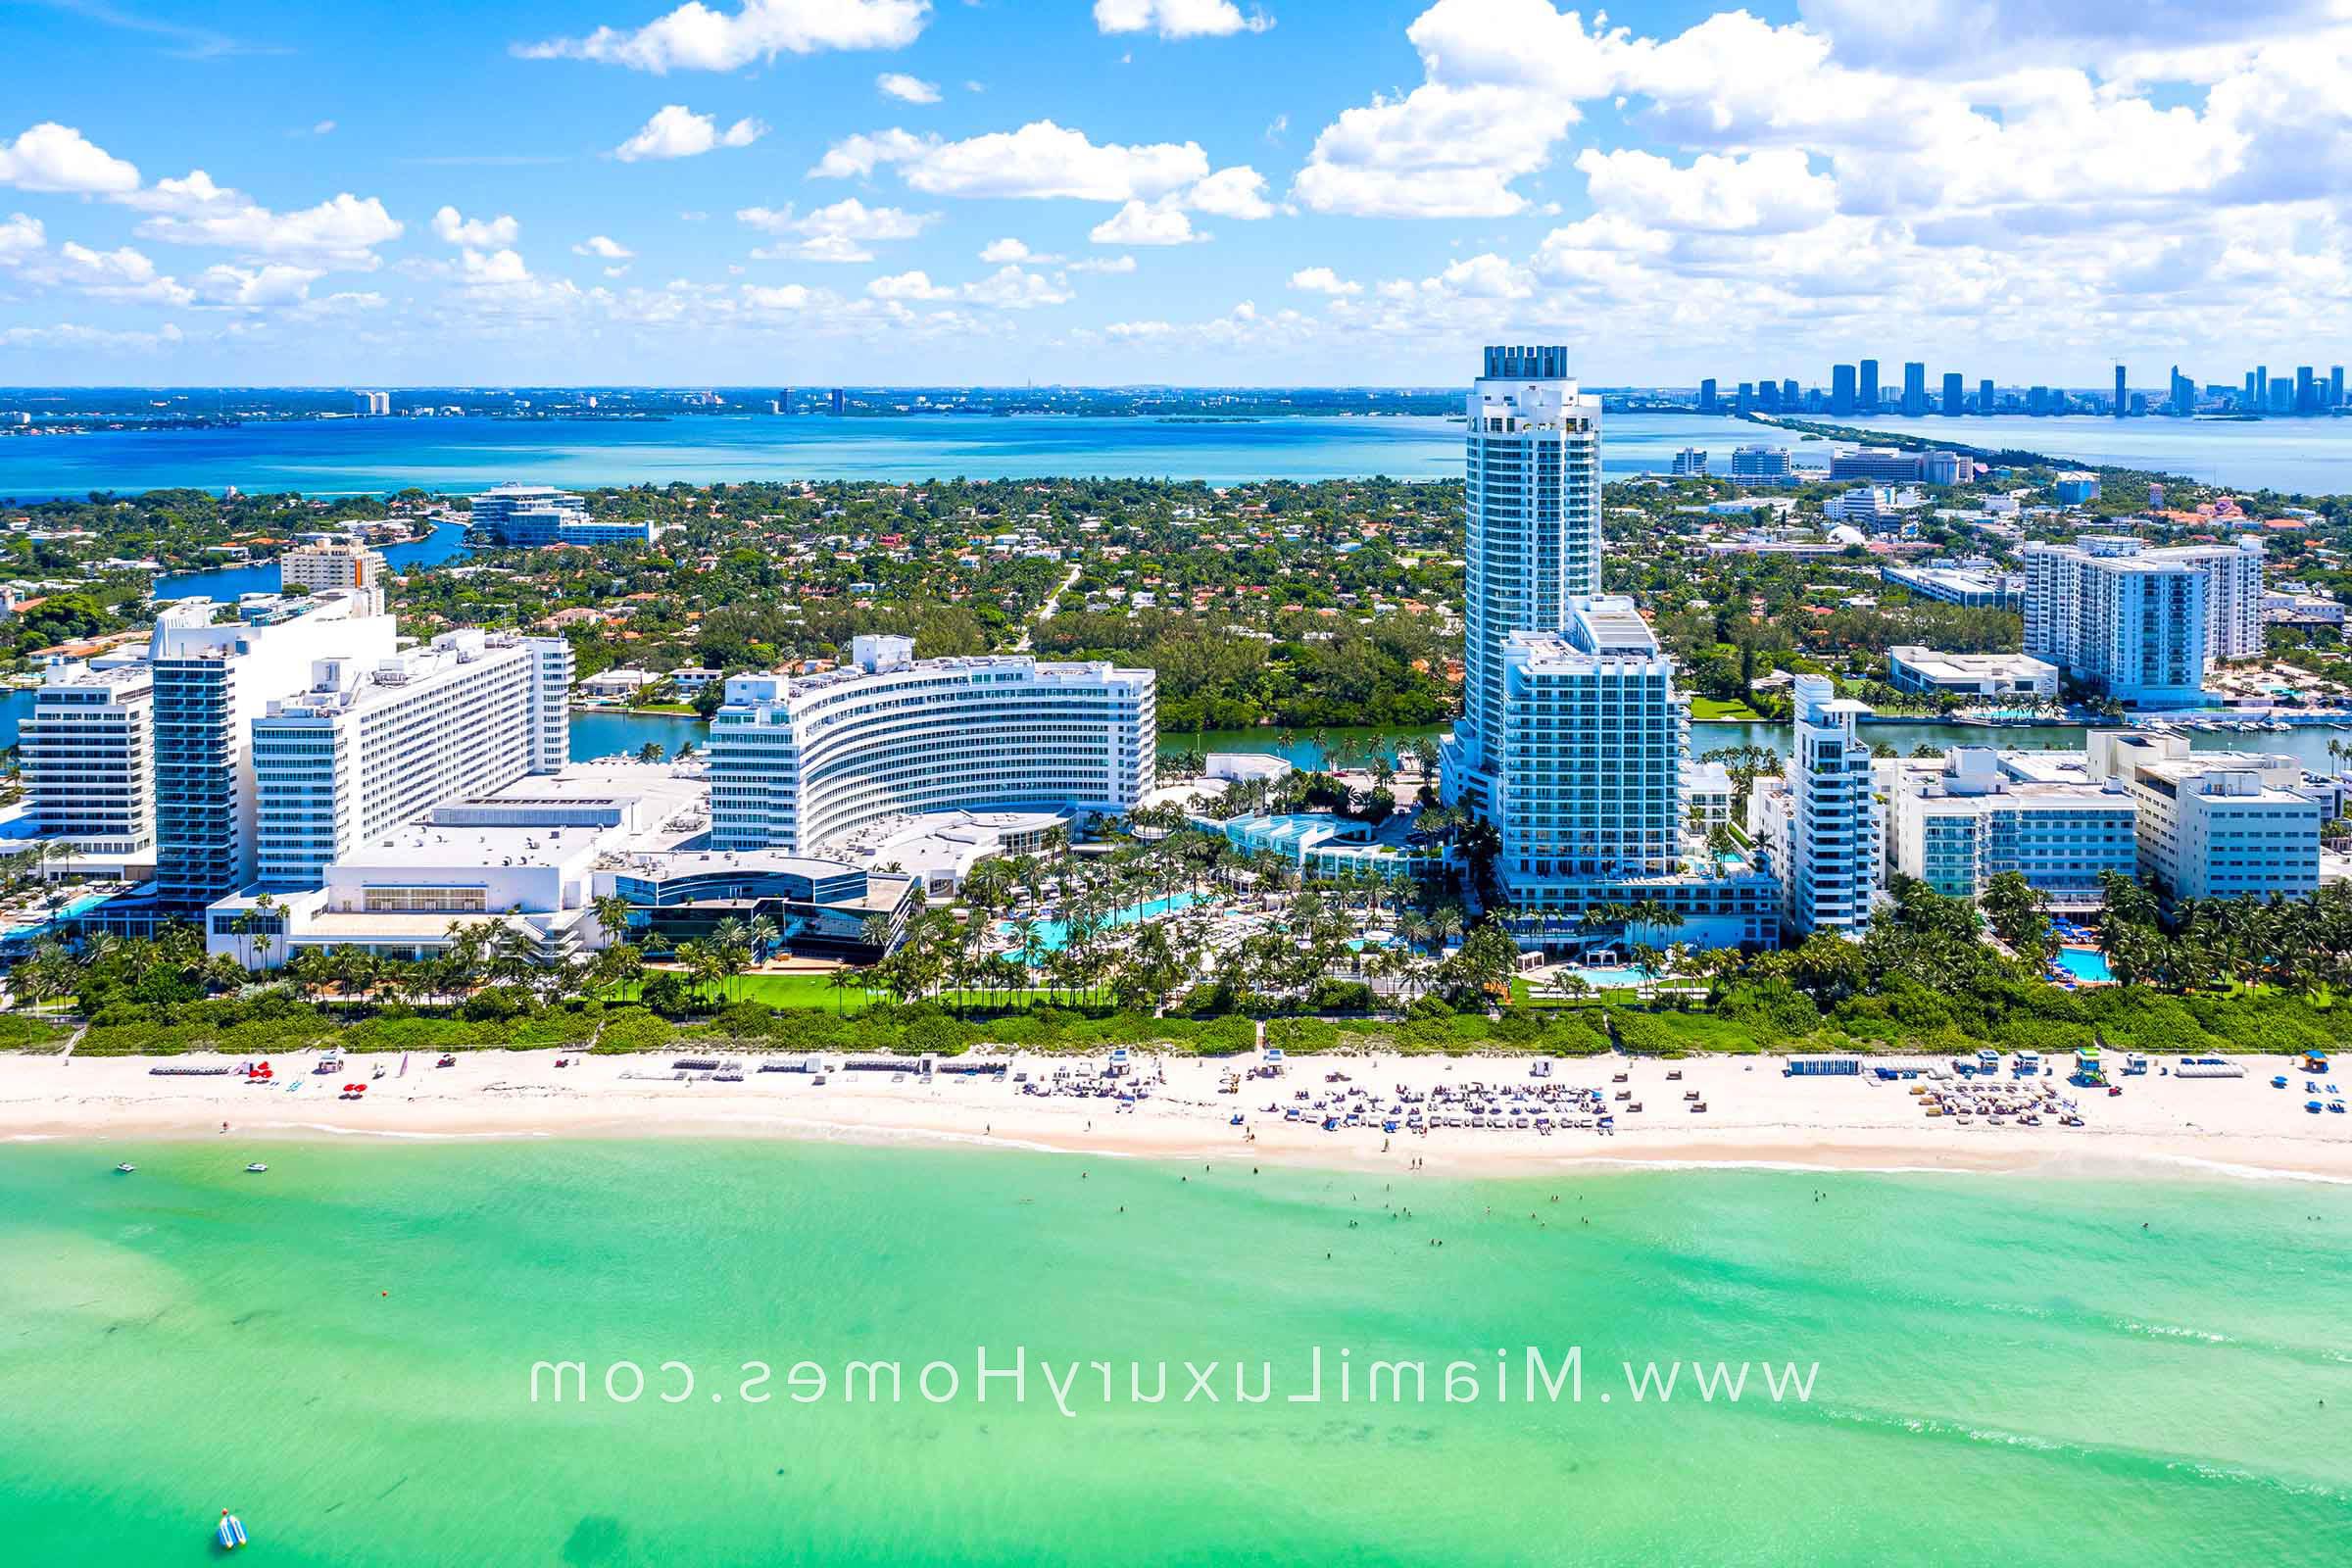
(890, 192)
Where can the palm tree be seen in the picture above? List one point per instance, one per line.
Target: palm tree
(843, 980)
(612, 913)
(765, 936)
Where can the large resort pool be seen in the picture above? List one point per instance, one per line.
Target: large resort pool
(1054, 935)
(2085, 966)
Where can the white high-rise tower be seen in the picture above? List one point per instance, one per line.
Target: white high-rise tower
(1533, 538)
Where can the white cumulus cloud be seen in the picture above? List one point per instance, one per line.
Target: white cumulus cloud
(1323, 280)
(1178, 19)
(908, 89)
(1040, 160)
(696, 37)
(677, 131)
(342, 232)
(1160, 223)
(50, 157)
(481, 233)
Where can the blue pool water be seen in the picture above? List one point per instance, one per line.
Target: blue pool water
(2087, 964)
(1052, 934)
(1613, 978)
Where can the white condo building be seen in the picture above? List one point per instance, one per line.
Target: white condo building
(2142, 625)
(374, 742)
(1820, 821)
(321, 567)
(1572, 740)
(1958, 823)
(211, 683)
(1592, 733)
(801, 762)
(88, 753)
(2215, 824)
(1533, 536)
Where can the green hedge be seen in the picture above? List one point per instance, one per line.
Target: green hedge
(33, 1036)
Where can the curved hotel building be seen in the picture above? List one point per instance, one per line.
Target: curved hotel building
(803, 763)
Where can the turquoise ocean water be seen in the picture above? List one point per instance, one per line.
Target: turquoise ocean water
(2010, 1370)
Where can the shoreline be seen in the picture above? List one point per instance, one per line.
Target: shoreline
(1756, 1118)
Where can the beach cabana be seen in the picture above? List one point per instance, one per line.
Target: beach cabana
(1824, 1067)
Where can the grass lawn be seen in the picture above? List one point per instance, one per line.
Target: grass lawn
(682, 710)
(1716, 709)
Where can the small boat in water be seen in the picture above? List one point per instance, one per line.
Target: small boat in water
(125, 1168)
(256, 1168)
(231, 1532)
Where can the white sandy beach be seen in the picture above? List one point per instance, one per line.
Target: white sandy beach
(1755, 1114)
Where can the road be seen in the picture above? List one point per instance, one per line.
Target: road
(1045, 611)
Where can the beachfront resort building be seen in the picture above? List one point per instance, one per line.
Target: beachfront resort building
(531, 860)
(802, 764)
(371, 742)
(211, 682)
(2215, 824)
(1958, 822)
(531, 517)
(354, 569)
(1820, 822)
(1573, 741)
(88, 751)
(1532, 540)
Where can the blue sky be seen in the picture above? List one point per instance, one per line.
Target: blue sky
(744, 191)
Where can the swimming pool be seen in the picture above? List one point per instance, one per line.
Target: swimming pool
(1054, 935)
(1615, 977)
(2085, 965)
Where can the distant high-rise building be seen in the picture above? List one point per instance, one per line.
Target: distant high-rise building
(1761, 465)
(1867, 395)
(353, 568)
(1953, 393)
(2262, 386)
(2184, 398)
(2038, 399)
(1707, 403)
(2307, 391)
(367, 404)
(2122, 398)
(841, 402)
(784, 399)
(1789, 398)
(1768, 396)
(1842, 389)
(2282, 396)
(1745, 401)
(1915, 388)
(2140, 624)
(2250, 402)
(2335, 386)
(1691, 460)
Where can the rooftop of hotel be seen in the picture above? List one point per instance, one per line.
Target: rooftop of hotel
(356, 688)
